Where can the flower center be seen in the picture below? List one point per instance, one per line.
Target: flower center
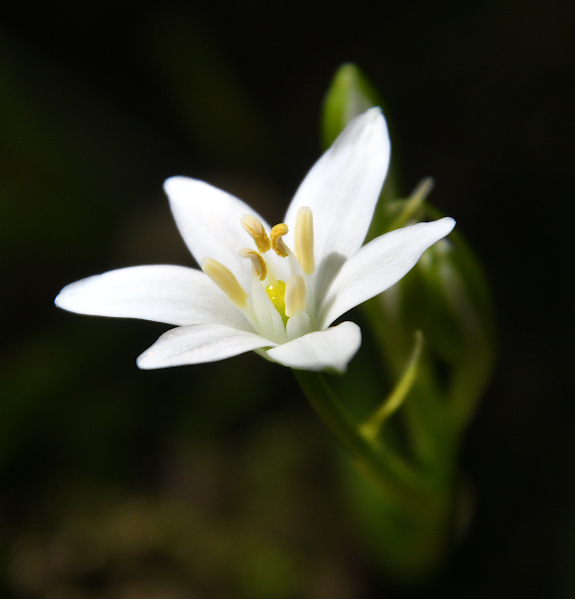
(288, 298)
(276, 293)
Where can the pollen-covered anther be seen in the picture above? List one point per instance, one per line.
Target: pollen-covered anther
(295, 295)
(257, 232)
(257, 261)
(303, 240)
(278, 245)
(225, 280)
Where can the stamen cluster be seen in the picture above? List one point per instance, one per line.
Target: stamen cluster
(288, 298)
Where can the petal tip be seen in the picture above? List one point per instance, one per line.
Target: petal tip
(144, 363)
(374, 113)
(372, 117)
(174, 184)
(65, 299)
(448, 223)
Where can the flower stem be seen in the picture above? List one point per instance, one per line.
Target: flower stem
(391, 473)
(409, 514)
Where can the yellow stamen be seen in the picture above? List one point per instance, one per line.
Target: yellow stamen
(278, 246)
(257, 261)
(303, 242)
(257, 232)
(226, 281)
(295, 295)
(276, 293)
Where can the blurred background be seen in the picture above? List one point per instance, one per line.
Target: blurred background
(219, 481)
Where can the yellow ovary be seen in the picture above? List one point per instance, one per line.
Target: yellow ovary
(276, 293)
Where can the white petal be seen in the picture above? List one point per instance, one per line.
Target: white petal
(379, 264)
(209, 221)
(298, 325)
(197, 344)
(321, 350)
(343, 186)
(162, 293)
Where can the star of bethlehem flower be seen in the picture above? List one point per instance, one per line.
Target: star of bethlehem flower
(275, 290)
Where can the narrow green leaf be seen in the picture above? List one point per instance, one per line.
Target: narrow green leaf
(395, 399)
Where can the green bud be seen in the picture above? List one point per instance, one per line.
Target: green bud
(446, 296)
(432, 388)
(349, 95)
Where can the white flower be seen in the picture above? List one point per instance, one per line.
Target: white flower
(273, 290)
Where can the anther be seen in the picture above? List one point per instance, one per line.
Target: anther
(278, 246)
(225, 280)
(257, 261)
(295, 295)
(303, 240)
(256, 230)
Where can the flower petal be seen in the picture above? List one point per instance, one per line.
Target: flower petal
(379, 264)
(197, 344)
(209, 221)
(298, 325)
(171, 294)
(331, 349)
(343, 186)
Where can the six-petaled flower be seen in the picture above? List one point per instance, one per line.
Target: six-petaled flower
(276, 289)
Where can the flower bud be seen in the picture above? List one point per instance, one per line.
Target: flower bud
(447, 297)
(349, 95)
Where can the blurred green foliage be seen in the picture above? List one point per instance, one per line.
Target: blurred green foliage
(445, 302)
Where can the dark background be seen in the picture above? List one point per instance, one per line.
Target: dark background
(218, 480)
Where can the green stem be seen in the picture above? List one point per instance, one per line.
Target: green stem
(409, 516)
(394, 475)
